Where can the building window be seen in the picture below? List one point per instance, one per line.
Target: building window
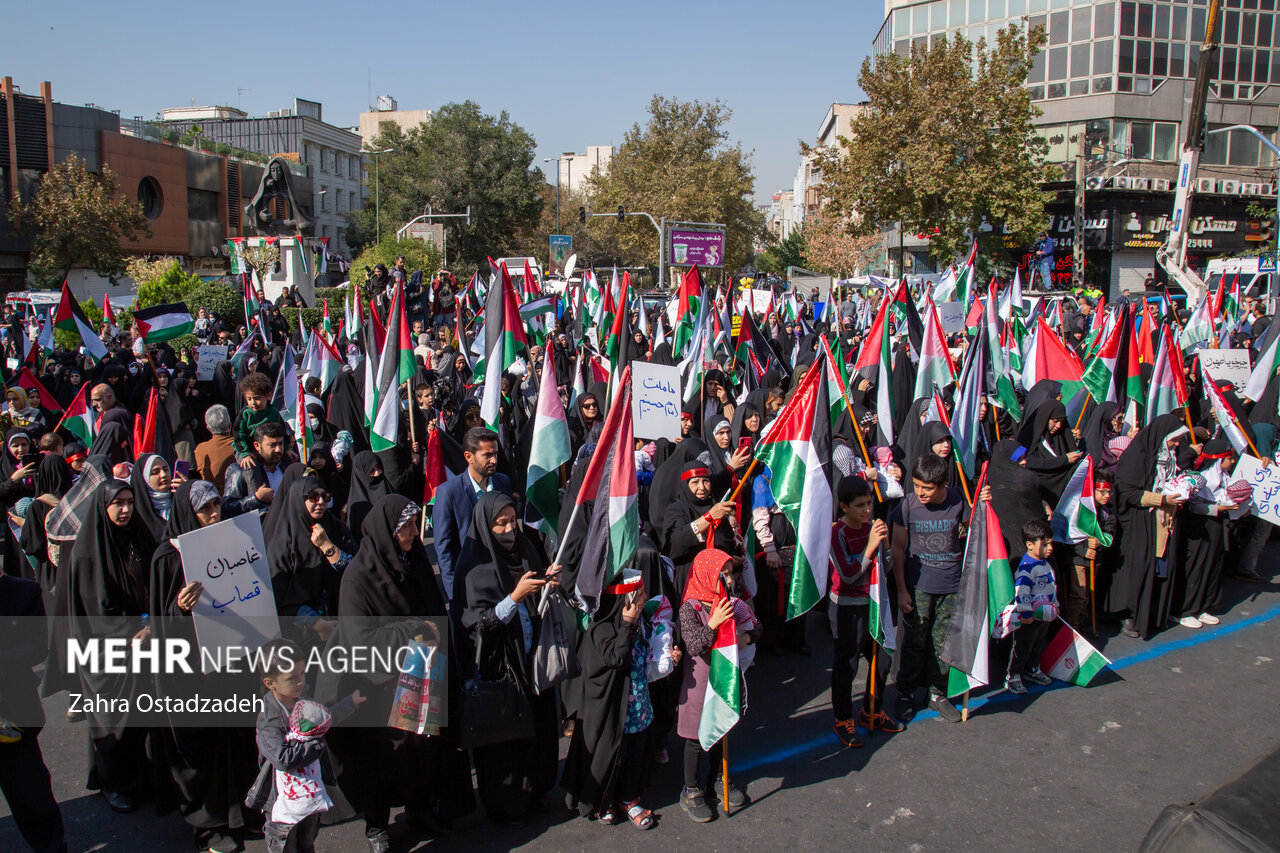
(150, 199)
(323, 195)
(324, 160)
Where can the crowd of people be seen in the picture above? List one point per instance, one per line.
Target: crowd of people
(354, 534)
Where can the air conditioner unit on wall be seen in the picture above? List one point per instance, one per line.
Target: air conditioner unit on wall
(1229, 187)
(1162, 185)
(1094, 184)
(1122, 182)
(1139, 183)
(1266, 189)
(1206, 185)
(1249, 189)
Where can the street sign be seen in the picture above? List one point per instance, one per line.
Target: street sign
(431, 233)
(689, 246)
(1267, 263)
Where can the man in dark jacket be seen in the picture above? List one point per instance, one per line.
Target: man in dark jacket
(451, 518)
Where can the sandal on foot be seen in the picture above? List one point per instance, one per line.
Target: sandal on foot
(608, 818)
(640, 816)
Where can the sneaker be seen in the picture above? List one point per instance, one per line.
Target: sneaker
(1129, 628)
(1013, 683)
(884, 723)
(945, 709)
(905, 709)
(737, 796)
(695, 805)
(1208, 619)
(847, 733)
(1036, 676)
(379, 841)
(1190, 622)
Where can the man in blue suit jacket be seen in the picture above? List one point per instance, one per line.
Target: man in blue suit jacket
(451, 518)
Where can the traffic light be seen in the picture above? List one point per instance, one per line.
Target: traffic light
(622, 214)
(582, 215)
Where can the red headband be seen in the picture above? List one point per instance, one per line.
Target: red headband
(686, 416)
(695, 472)
(624, 588)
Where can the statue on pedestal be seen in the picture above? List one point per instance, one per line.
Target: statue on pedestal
(261, 211)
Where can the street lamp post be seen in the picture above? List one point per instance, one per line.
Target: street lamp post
(377, 191)
(548, 160)
(1275, 276)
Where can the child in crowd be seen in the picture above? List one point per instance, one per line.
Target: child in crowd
(855, 542)
(295, 761)
(1075, 559)
(1035, 599)
(257, 389)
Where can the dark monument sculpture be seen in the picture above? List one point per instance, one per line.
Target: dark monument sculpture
(276, 184)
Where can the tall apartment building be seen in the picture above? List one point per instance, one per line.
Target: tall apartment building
(1121, 74)
(389, 112)
(330, 154)
(576, 168)
(805, 196)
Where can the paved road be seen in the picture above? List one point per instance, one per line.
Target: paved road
(1061, 769)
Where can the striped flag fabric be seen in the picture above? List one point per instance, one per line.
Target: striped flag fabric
(722, 703)
(144, 431)
(880, 618)
(70, 317)
(504, 339)
(614, 529)
(983, 602)
(966, 425)
(1168, 388)
(164, 322)
(1199, 330)
(80, 418)
(1099, 373)
(395, 368)
(1076, 517)
(1222, 413)
(433, 464)
(302, 430)
(688, 309)
(108, 313)
(1071, 658)
(875, 363)
(936, 366)
(797, 450)
(1266, 366)
(26, 379)
(550, 449)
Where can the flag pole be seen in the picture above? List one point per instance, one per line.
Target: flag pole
(724, 772)
(1093, 598)
(857, 427)
(995, 417)
(964, 710)
(1084, 408)
(964, 484)
(871, 687)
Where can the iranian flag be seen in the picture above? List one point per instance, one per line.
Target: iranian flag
(504, 338)
(1069, 657)
(395, 368)
(880, 619)
(79, 418)
(614, 529)
(722, 703)
(70, 317)
(549, 450)
(1168, 389)
(797, 450)
(163, 322)
(983, 602)
(936, 366)
(1076, 517)
(688, 309)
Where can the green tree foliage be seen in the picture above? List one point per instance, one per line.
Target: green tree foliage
(461, 157)
(947, 143)
(787, 252)
(417, 256)
(78, 218)
(160, 282)
(679, 165)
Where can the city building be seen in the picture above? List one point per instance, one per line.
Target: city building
(806, 188)
(330, 154)
(194, 199)
(389, 112)
(1119, 76)
(778, 214)
(576, 168)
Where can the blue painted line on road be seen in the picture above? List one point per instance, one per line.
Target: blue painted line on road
(828, 739)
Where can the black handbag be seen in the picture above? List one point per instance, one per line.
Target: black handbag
(495, 711)
(554, 659)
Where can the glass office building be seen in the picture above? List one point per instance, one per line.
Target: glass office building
(1121, 74)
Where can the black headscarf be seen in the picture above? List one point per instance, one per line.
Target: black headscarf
(740, 430)
(300, 574)
(113, 441)
(1040, 393)
(1017, 496)
(346, 407)
(8, 462)
(1097, 435)
(365, 489)
(54, 476)
(143, 505)
(1046, 451)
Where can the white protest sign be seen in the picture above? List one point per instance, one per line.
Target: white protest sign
(655, 400)
(236, 610)
(760, 300)
(208, 357)
(1266, 486)
(951, 317)
(1227, 365)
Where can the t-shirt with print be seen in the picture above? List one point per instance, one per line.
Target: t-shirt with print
(935, 550)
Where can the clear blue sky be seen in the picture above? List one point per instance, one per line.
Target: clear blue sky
(572, 73)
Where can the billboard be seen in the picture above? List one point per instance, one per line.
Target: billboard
(561, 250)
(689, 247)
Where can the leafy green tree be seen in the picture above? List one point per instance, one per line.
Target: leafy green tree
(460, 157)
(680, 165)
(160, 282)
(78, 218)
(947, 143)
(417, 256)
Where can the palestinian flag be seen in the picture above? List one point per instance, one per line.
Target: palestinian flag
(1004, 395)
(1266, 366)
(936, 366)
(722, 703)
(1069, 657)
(395, 368)
(1135, 388)
(1168, 390)
(539, 318)
(108, 313)
(797, 450)
(80, 417)
(550, 449)
(880, 619)
(614, 529)
(617, 348)
(375, 331)
(688, 309)
(1227, 420)
(326, 324)
(70, 317)
(1076, 517)
(529, 284)
(28, 381)
(983, 602)
(144, 431)
(163, 322)
(966, 426)
(504, 339)
(306, 438)
(1146, 332)
(964, 280)
(752, 341)
(435, 471)
(875, 363)
(1099, 374)
(1199, 330)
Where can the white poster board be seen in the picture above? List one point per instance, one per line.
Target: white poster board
(1266, 486)
(237, 609)
(760, 300)
(208, 357)
(951, 317)
(1227, 365)
(655, 400)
